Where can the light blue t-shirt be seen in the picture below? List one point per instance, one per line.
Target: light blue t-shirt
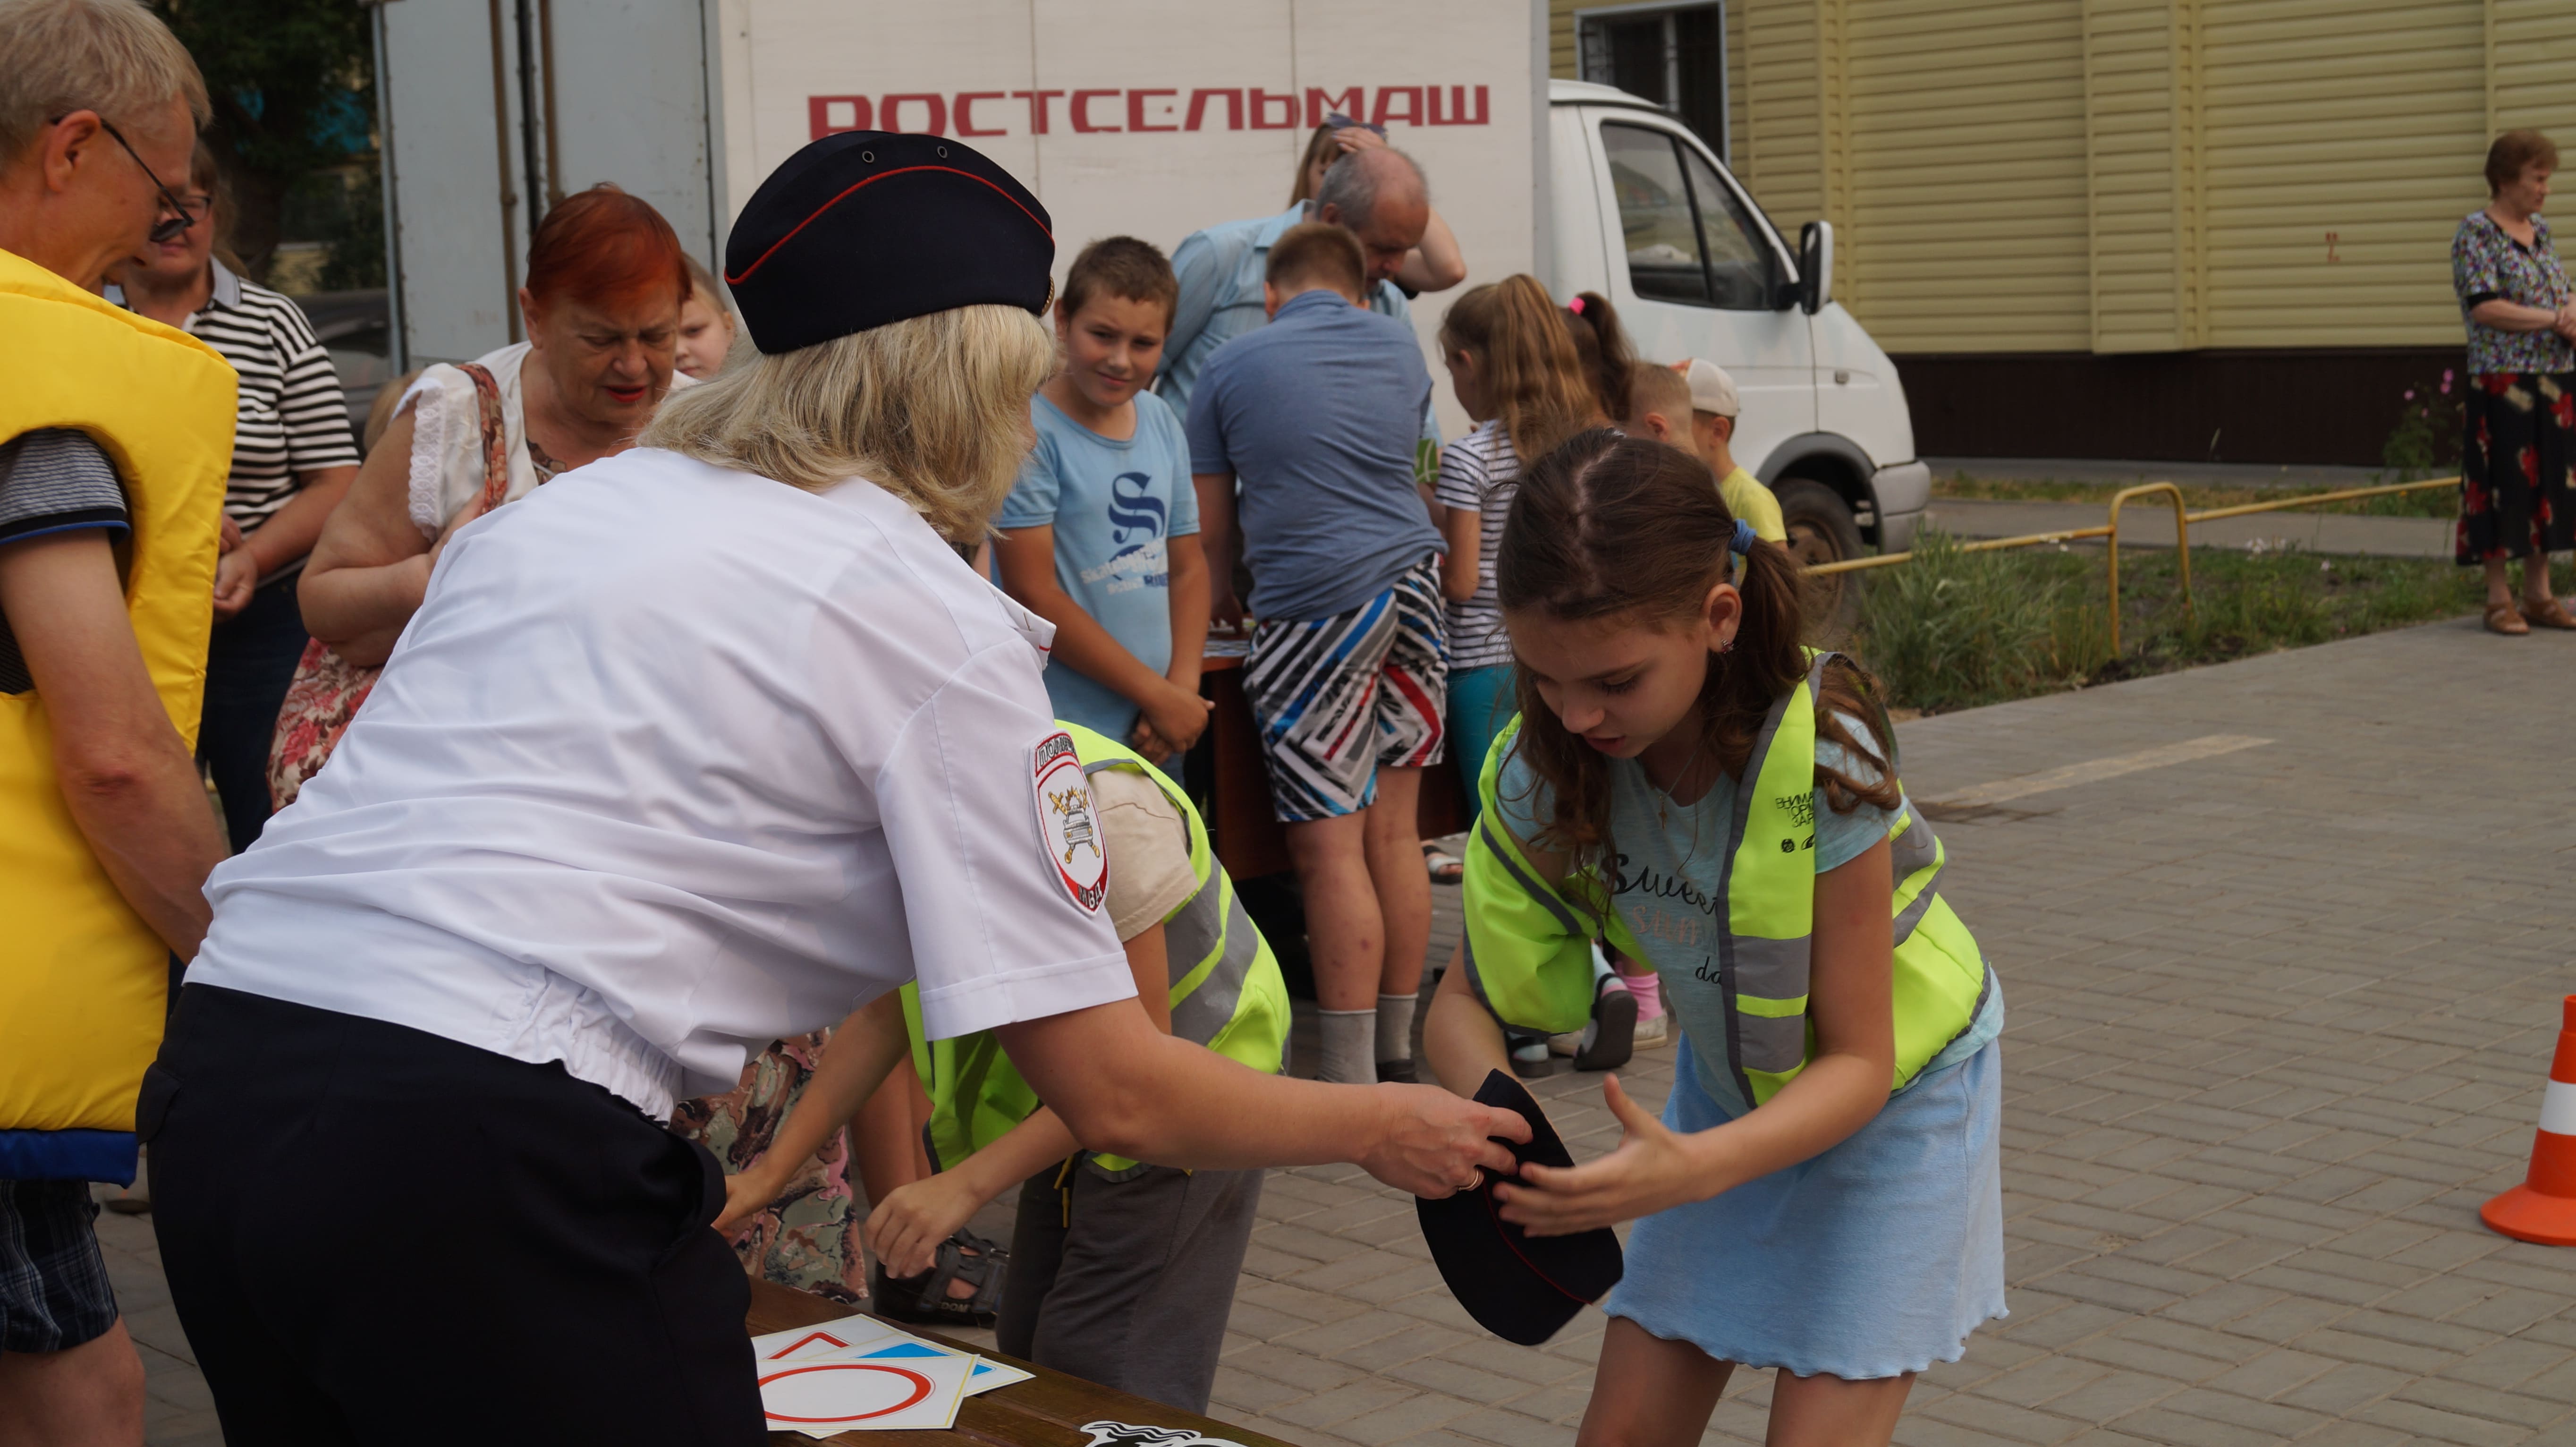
(1317, 415)
(1671, 861)
(1115, 505)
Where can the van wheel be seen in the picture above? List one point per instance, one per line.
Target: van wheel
(1821, 530)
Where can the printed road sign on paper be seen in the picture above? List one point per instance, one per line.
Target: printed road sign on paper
(820, 1396)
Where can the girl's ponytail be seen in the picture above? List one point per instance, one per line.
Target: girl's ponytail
(1525, 360)
(1602, 346)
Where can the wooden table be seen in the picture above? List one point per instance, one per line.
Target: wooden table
(1048, 1410)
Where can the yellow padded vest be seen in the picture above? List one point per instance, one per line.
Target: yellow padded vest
(83, 981)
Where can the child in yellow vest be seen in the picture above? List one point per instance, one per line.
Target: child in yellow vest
(1823, 1193)
(1120, 1272)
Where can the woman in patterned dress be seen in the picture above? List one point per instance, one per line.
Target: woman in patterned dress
(2520, 418)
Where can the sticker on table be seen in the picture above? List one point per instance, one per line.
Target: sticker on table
(1128, 1434)
(825, 1395)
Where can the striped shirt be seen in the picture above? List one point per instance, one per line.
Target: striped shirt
(1479, 473)
(51, 480)
(292, 418)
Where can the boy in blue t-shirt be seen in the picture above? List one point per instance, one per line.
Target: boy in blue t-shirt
(1100, 535)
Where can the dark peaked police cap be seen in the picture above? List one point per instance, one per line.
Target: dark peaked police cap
(1521, 1288)
(869, 227)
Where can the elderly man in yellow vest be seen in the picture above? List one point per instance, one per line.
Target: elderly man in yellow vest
(114, 436)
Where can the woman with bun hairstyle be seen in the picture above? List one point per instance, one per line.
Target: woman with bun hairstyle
(1822, 1195)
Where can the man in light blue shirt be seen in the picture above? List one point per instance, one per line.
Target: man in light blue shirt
(1377, 194)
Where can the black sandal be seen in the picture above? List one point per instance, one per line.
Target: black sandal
(924, 1299)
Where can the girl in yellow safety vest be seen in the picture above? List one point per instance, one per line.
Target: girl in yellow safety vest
(1822, 1194)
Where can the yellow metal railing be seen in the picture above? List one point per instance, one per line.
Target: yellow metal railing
(2182, 526)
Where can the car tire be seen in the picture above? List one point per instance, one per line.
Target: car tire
(1821, 530)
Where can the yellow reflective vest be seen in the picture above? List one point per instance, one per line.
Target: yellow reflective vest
(1529, 944)
(83, 981)
(1227, 992)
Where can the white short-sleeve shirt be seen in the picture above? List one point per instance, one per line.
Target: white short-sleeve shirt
(672, 762)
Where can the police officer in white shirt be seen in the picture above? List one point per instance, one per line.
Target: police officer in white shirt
(696, 747)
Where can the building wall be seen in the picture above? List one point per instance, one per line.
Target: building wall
(2108, 178)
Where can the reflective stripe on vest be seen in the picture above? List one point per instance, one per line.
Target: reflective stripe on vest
(1226, 990)
(83, 980)
(1528, 950)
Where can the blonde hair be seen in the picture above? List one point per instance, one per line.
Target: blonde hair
(1525, 362)
(109, 56)
(934, 410)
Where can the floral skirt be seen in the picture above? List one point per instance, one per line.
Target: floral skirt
(809, 1238)
(2519, 443)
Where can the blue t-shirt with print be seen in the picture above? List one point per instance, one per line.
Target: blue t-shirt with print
(1115, 505)
(1672, 861)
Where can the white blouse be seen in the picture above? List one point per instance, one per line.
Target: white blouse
(447, 435)
(673, 762)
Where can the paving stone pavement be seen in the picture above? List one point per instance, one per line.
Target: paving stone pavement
(2279, 1020)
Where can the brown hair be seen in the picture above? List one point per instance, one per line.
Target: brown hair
(2515, 152)
(1120, 266)
(206, 173)
(1318, 251)
(1525, 361)
(1319, 147)
(1603, 349)
(1609, 526)
(1654, 387)
(606, 249)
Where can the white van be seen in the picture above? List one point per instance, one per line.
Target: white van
(689, 103)
(1647, 217)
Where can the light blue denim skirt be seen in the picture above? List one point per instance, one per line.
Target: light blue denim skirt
(1874, 1259)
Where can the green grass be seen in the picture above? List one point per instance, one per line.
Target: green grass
(2441, 502)
(1953, 630)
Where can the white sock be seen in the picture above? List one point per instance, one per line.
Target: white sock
(1395, 1026)
(1350, 1046)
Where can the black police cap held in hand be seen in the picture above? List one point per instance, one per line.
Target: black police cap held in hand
(868, 227)
(1521, 1288)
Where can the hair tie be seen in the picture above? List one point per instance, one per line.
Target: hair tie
(1575, 306)
(1745, 537)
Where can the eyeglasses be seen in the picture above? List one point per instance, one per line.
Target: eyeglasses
(168, 227)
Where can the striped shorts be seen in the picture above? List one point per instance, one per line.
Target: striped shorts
(1339, 697)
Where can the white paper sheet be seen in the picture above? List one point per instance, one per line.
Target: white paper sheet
(820, 1396)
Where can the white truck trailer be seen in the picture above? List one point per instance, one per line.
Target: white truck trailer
(1150, 118)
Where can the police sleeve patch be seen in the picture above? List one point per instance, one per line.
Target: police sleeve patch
(1069, 823)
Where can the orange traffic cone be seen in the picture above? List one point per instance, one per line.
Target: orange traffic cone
(2543, 1207)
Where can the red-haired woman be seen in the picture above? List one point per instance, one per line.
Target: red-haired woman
(606, 278)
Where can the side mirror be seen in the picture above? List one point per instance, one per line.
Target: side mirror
(1815, 266)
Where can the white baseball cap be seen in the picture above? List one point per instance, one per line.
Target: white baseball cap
(1711, 390)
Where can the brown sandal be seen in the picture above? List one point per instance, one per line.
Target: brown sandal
(2552, 614)
(2501, 618)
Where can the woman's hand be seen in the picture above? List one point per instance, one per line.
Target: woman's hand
(747, 1193)
(1653, 1169)
(1357, 138)
(905, 1231)
(236, 576)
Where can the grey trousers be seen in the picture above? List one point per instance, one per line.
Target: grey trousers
(1128, 1281)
